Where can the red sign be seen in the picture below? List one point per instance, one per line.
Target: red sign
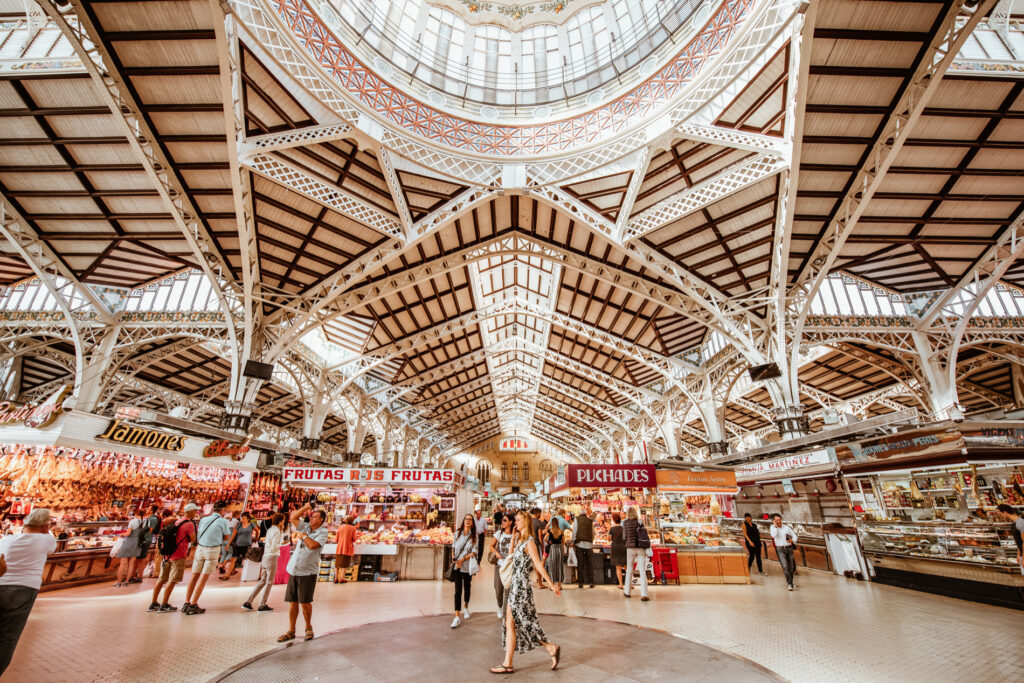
(34, 416)
(515, 444)
(611, 476)
(226, 449)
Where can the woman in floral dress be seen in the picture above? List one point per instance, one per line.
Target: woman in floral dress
(521, 631)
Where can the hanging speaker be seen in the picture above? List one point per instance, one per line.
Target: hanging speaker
(258, 370)
(760, 373)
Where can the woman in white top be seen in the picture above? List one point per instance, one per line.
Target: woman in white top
(268, 567)
(463, 555)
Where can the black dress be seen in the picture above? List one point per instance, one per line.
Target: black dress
(618, 552)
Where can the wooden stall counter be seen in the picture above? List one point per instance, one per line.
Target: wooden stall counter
(73, 568)
(712, 565)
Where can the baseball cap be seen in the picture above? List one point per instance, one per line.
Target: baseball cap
(190, 507)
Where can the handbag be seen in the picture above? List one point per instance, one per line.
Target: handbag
(505, 571)
(449, 574)
(254, 554)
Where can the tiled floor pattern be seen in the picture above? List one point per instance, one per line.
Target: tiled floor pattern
(591, 651)
(829, 629)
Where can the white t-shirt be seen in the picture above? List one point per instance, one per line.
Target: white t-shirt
(25, 555)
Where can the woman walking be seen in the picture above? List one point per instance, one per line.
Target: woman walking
(345, 540)
(268, 567)
(246, 533)
(128, 553)
(555, 540)
(463, 557)
(500, 547)
(618, 550)
(521, 631)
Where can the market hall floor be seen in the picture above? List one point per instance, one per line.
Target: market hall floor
(829, 629)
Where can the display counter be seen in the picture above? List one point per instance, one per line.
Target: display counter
(695, 547)
(409, 561)
(810, 552)
(81, 567)
(975, 561)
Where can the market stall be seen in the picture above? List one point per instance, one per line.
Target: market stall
(92, 472)
(925, 507)
(803, 487)
(405, 516)
(695, 547)
(603, 490)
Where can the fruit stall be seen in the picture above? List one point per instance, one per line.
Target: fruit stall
(405, 516)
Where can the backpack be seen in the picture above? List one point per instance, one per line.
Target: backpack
(643, 539)
(168, 543)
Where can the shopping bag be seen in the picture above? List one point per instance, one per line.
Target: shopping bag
(572, 557)
(116, 547)
(474, 566)
(149, 571)
(250, 570)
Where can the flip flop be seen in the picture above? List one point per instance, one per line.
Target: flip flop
(556, 656)
(502, 670)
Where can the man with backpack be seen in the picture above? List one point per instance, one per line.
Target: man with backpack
(212, 535)
(173, 543)
(638, 541)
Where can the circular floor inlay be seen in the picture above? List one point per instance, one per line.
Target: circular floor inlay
(427, 649)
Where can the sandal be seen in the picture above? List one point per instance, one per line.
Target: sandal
(223, 578)
(556, 656)
(309, 634)
(502, 669)
(286, 637)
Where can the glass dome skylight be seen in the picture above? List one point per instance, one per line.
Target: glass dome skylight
(533, 56)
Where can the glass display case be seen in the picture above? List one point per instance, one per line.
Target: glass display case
(977, 544)
(693, 521)
(90, 535)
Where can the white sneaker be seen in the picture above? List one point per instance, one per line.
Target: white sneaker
(455, 622)
(499, 613)
(790, 588)
(465, 613)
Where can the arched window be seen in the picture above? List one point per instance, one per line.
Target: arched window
(526, 471)
(504, 471)
(547, 469)
(483, 471)
(515, 471)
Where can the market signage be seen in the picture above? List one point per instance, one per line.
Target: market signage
(226, 449)
(33, 415)
(383, 476)
(917, 442)
(712, 481)
(611, 476)
(123, 432)
(790, 462)
(515, 444)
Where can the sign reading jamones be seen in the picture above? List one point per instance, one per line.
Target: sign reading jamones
(326, 476)
(611, 476)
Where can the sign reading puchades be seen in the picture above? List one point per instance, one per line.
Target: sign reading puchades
(515, 443)
(370, 476)
(611, 476)
(34, 415)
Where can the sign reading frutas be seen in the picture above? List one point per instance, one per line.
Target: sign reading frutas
(123, 432)
(347, 475)
(226, 449)
(611, 476)
(34, 416)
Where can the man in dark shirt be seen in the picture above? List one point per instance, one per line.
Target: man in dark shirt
(752, 540)
(499, 514)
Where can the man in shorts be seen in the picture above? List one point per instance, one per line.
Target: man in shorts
(212, 535)
(172, 569)
(304, 568)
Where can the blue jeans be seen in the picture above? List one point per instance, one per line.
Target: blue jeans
(786, 560)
